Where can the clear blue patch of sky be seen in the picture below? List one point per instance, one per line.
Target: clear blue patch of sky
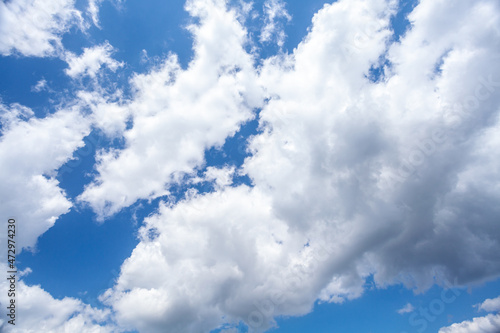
(20, 74)
(78, 172)
(155, 26)
(79, 257)
(376, 311)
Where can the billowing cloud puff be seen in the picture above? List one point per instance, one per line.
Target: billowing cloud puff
(91, 61)
(488, 324)
(31, 150)
(177, 114)
(353, 175)
(35, 27)
(37, 311)
(400, 161)
(490, 305)
(221, 248)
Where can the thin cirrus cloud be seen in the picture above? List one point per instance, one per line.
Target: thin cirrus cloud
(275, 13)
(352, 175)
(408, 308)
(93, 11)
(93, 8)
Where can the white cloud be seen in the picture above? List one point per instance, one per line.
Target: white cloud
(488, 324)
(40, 86)
(351, 178)
(35, 27)
(215, 257)
(490, 305)
(406, 309)
(221, 177)
(38, 311)
(91, 61)
(334, 144)
(31, 150)
(177, 114)
(93, 11)
(274, 10)
(108, 111)
(10, 116)
(342, 287)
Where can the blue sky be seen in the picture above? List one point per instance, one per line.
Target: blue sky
(267, 166)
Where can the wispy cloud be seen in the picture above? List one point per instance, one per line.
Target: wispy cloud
(40, 86)
(275, 13)
(93, 11)
(408, 308)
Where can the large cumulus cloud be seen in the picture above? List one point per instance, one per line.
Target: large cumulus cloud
(32, 150)
(38, 311)
(35, 27)
(487, 324)
(177, 114)
(352, 175)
